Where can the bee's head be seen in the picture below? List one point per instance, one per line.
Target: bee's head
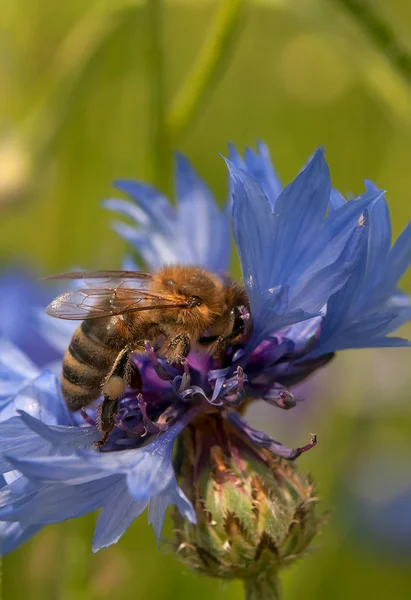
(198, 289)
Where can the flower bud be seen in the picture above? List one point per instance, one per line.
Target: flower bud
(255, 513)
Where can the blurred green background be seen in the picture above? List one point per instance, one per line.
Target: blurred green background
(77, 111)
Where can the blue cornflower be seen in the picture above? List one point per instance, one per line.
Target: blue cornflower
(301, 248)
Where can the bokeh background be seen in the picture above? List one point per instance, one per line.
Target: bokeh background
(81, 95)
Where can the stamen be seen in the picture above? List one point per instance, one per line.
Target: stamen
(237, 381)
(264, 440)
(311, 444)
(245, 313)
(150, 353)
(163, 369)
(185, 365)
(87, 418)
(151, 427)
(280, 397)
(238, 354)
(217, 373)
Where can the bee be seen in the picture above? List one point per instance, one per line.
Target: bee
(176, 309)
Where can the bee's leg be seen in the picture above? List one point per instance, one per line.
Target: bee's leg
(223, 340)
(178, 348)
(123, 373)
(105, 419)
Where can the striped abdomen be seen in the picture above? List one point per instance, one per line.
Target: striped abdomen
(88, 360)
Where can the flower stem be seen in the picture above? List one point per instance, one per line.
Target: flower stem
(159, 153)
(264, 587)
(208, 67)
(381, 33)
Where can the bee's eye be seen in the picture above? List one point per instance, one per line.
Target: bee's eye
(195, 301)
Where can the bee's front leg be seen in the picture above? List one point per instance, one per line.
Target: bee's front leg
(123, 373)
(106, 419)
(178, 348)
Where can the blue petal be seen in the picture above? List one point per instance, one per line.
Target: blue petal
(381, 342)
(57, 332)
(259, 166)
(115, 517)
(45, 468)
(27, 436)
(271, 243)
(125, 208)
(41, 398)
(339, 304)
(72, 437)
(45, 392)
(158, 506)
(58, 502)
(337, 200)
(143, 243)
(313, 295)
(379, 240)
(17, 491)
(300, 208)
(194, 232)
(334, 234)
(399, 258)
(254, 231)
(199, 219)
(12, 535)
(150, 200)
(148, 470)
(129, 264)
(14, 364)
(156, 514)
(16, 437)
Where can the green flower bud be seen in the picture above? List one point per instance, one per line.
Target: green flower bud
(255, 513)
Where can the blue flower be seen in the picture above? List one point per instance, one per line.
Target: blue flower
(347, 258)
(315, 268)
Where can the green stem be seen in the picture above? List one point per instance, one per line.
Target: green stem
(266, 586)
(381, 33)
(208, 67)
(158, 140)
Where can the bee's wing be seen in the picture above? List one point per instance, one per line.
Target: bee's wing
(110, 278)
(89, 303)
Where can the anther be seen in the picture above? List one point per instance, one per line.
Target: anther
(311, 444)
(280, 397)
(240, 394)
(163, 369)
(150, 353)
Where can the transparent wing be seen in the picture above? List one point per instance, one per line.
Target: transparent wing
(89, 303)
(107, 279)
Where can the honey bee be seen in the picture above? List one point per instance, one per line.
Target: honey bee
(175, 309)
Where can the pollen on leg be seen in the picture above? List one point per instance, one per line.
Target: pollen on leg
(113, 387)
